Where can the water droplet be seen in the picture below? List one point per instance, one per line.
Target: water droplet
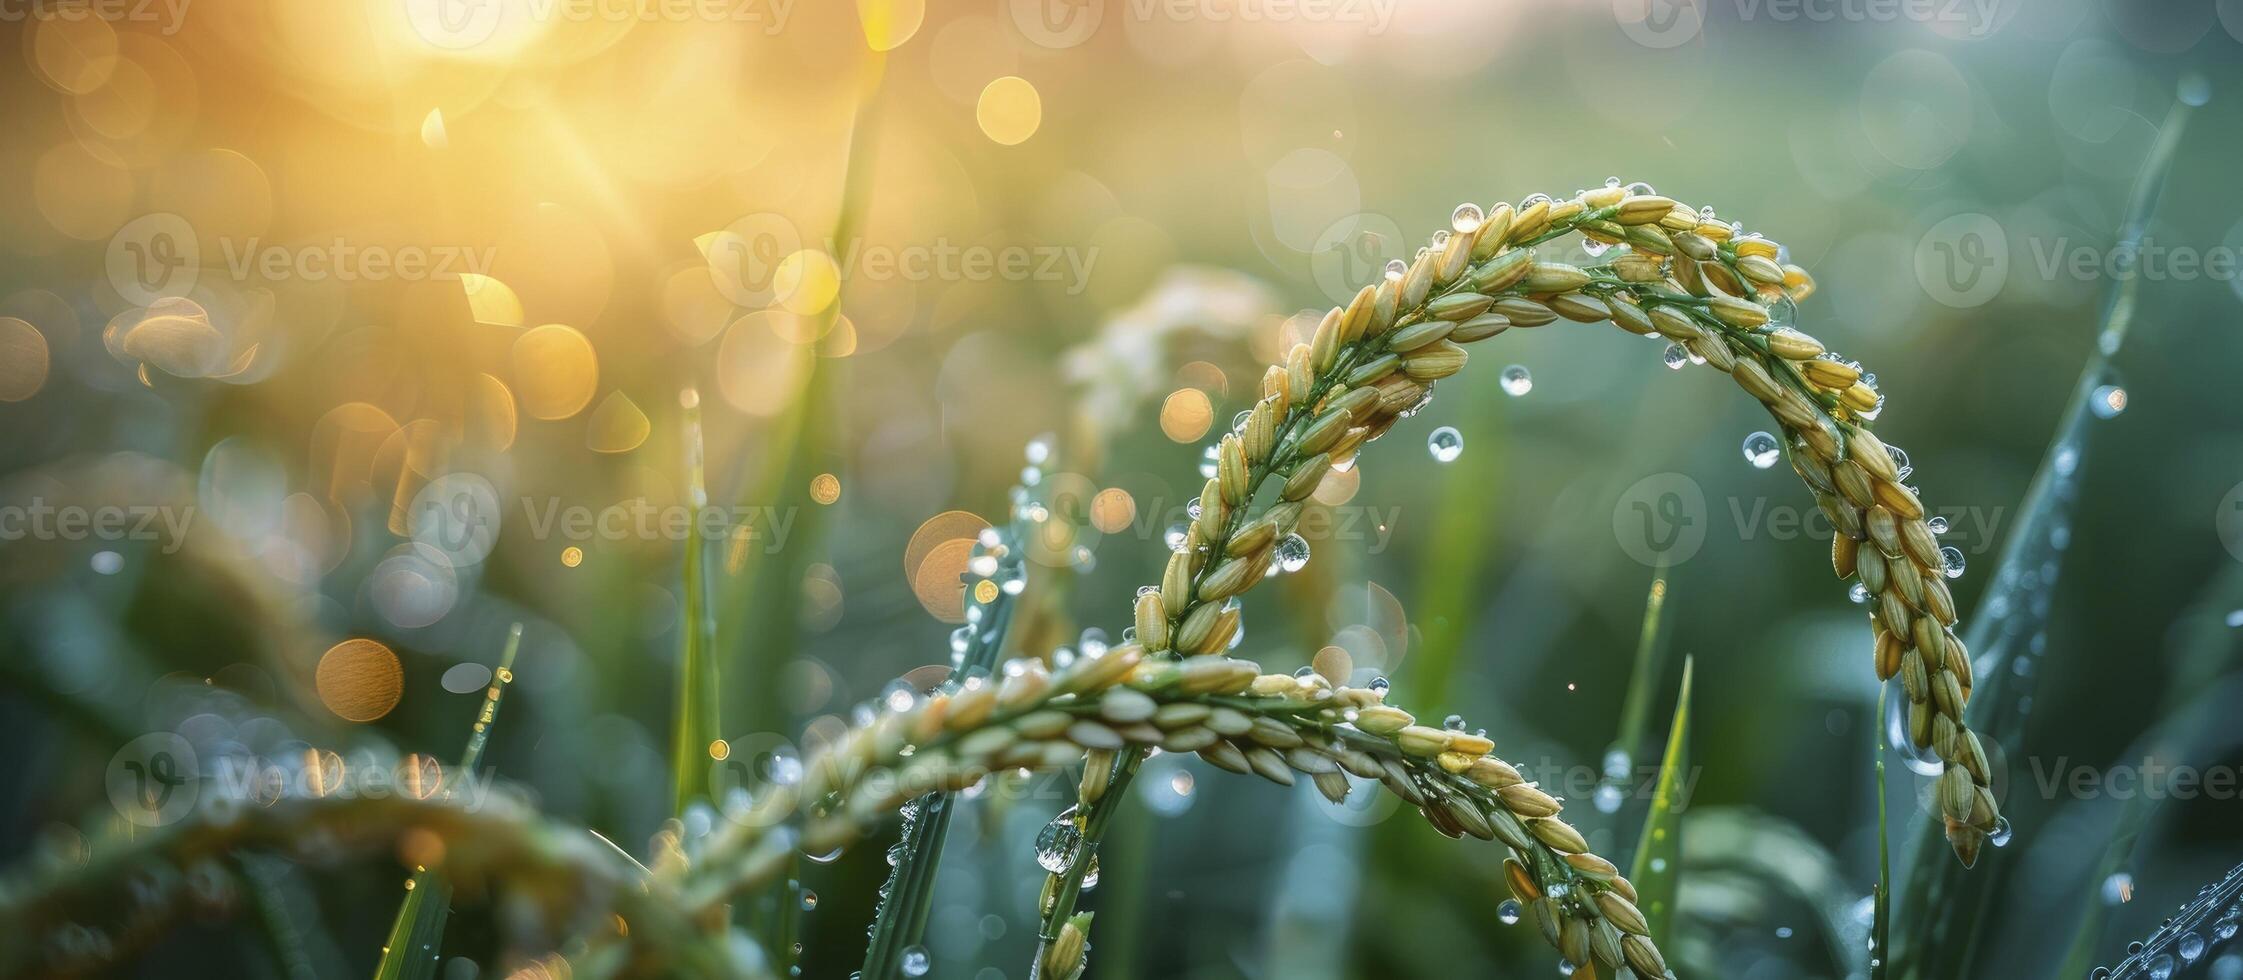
(2118, 889)
(1059, 842)
(1446, 444)
(1380, 685)
(2190, 946)
(1174, 536)
(1676, 356)
(1859, 593)
(1951, 561)
(1565, 968)
(1454, 723)
(1617, 763)
(1783, 932)
(900, 697)
(2000, 836)
(1936, 523)
(1292, 553)
(1516, 380)
(809, 900)
(1090, 874)
(916, 961)
(1762, 450)
(1194, 508)
(2161, 967)
(1921, 761)
(1396, 268)
(1093, 642)
(1466, 218)
(2107, 401)
(1508, 912)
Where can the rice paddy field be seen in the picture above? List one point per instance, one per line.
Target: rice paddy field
(1039, 489)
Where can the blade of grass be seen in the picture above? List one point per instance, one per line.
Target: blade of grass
(1635, 712)
(698, 722)
(2206, 652)
(1942, 901)
(1881, 909)
(902, 918)
(1657, 868)
(415, 938)
(766, 588)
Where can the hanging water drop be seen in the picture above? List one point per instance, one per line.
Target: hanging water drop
(1508, 912)
(1466, 218)
(1446, 444)
(1859, 593)
(1090, 874)
(2107, 401)
(1922, 761)
(1174, 536)
(1936, 523)
(1292, 553)
(1951, 561)
(2190, 946)
(1762, 450)
(1676, 356)
(1059, 842)
(1516, 381)
(916, 961)
(2000, 836)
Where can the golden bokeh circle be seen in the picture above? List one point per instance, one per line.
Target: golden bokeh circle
(23, 360)
(359, 680)
(555, 371)
(1112, 510)
(1009, 110)
(825, 488)
(1186, 415)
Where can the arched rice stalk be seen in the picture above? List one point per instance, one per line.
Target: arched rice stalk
(1719, 295)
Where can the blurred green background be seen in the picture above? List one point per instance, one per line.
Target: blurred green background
(1098, 221)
